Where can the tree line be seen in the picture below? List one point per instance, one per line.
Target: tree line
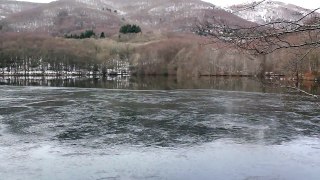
(84, 35)
(29, 52)
(128, 28)
(125, 29)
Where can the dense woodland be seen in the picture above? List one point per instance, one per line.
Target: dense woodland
(29, 52)
(170, 54)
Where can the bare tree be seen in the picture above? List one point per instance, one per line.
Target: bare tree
(266, 38)
(302, 35)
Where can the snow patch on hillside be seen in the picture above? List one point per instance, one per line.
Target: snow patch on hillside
(268, 11)
(10, 7)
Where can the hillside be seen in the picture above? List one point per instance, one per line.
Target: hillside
(66, 16)
(61, 17)
(268, 11)
(8, 7)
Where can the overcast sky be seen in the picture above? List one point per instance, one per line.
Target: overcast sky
(310, 4)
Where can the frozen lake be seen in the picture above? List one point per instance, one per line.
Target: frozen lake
(180, 133)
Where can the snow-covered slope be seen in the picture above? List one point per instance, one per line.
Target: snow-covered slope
(8, 7)
(65, 16)
(268, 11)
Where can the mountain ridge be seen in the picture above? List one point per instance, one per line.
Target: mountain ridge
(268, 11)
(72, 16)
(65, 16)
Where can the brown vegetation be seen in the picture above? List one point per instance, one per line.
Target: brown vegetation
(170, 54)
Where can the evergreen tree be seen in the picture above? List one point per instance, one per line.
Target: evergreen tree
(89, 34)
(128, 28)
(82, 36)
(124, 29)
(102, 35)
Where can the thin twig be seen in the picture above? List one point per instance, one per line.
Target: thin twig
(302, 91)
(249, 7)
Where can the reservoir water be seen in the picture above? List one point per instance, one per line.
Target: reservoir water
(156, 128)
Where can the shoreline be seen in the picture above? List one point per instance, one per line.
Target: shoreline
(265, 77)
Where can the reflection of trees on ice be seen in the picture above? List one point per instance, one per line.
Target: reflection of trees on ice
(112, 82)
(112, 67)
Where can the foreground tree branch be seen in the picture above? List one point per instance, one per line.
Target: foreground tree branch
(302, 35)
(302, 91)
(266, 38)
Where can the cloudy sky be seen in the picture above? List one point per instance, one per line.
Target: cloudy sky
(310, 4)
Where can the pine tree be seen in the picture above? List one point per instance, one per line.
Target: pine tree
(89, 34)
(102, 35)
(82, 36)
(128, 28)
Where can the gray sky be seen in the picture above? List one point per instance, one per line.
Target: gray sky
(310, 4)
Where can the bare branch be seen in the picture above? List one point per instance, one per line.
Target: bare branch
(265, 38)
(312, 12)
(255, 4)
(302, 91)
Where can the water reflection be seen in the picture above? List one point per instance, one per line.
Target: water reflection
(249, 84)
